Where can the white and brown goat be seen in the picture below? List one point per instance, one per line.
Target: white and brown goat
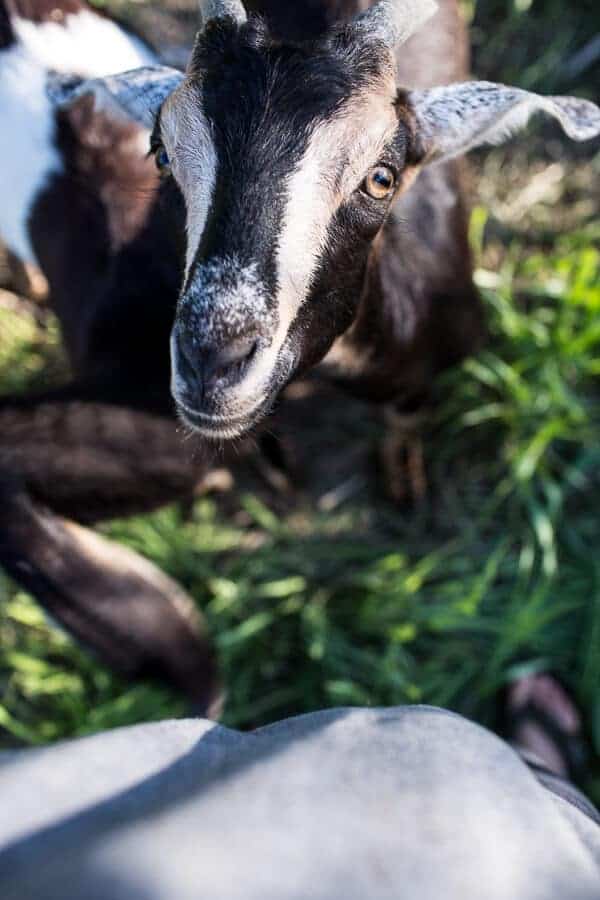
(81, 202)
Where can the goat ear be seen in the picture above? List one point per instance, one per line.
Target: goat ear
(136, 95)
(452, 120)
(219, 9)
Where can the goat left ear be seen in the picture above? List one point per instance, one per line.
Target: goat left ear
(452, 120)
(136, 95)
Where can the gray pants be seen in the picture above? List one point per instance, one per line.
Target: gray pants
(411, 803)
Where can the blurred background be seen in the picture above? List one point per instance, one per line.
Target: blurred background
(324, 592)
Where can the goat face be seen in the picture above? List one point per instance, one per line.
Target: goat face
(288, 158)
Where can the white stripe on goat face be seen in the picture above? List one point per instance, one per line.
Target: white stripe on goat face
(355, 138)
(193, 158)
(338, 156)
(359, 133)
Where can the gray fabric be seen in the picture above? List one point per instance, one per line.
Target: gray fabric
(408, 803)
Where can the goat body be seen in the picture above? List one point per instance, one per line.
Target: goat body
(81, 197)
(81, 201)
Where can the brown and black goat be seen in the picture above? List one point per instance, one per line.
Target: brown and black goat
(81, 202)
(308, 163)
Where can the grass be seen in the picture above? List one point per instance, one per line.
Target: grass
(496, 575)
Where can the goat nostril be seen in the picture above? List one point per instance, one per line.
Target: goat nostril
(228, 362)
(183, 359)
(200, 368)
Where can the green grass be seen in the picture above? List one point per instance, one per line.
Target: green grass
(497, 574)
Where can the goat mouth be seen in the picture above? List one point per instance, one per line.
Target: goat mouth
(220, 428)
(211, 418)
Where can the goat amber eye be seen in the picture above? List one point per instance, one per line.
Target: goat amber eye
(380, 183)
(161, 158)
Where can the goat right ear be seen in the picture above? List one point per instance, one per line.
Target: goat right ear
(454, 119)
(137, 94)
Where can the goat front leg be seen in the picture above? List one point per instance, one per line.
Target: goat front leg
(135, 618)
(94, 461)
(26, 279)
(402, 455)
(91, 462)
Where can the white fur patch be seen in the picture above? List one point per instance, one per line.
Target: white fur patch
(454, 119)
(29, 156)
(85, 44)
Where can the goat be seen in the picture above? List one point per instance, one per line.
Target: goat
(37, 36)
(309, 160)
(79, 193)
(81, 201)
(290, 160)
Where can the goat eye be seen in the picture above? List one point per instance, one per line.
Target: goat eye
(161, 157)
(380, 183)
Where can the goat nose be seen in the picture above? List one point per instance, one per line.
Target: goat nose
(203, 366)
